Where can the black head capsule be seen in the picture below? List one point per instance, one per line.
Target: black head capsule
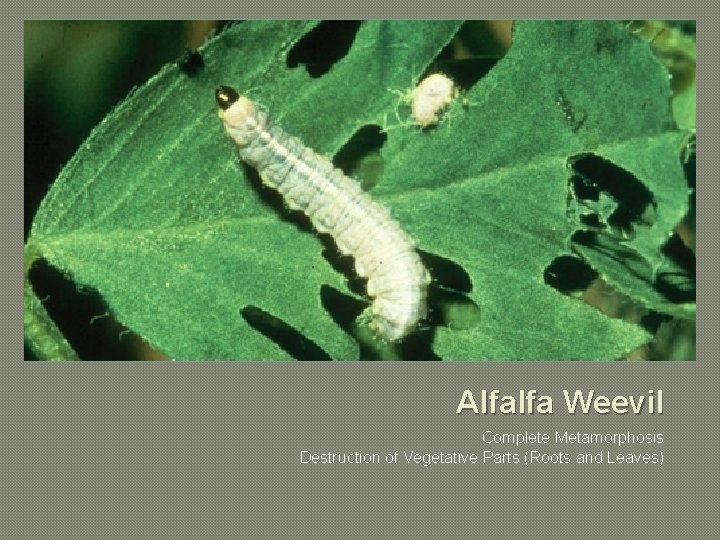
(226, 96)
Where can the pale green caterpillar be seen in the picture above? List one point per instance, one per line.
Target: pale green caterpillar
(362, 228)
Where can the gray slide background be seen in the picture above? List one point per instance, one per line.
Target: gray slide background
(160, 450)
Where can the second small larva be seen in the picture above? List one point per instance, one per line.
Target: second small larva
(430, 98)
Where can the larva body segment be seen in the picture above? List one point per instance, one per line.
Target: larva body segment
(361, 227)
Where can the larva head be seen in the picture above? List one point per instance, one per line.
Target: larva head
(226, 96)
(238, 113)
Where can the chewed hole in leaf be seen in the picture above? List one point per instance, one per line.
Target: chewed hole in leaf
(591, 220)
(674, 340)
(285, 336)
(342, 308)
(191, 63)
(360, 156)
(569, 274)
(676, 278)
(613, 303)
(446, 273)
(418, 345)
(612, 249)
(452, 309)
(676, 251)
(653, 320)
(323, 46)
(617, 198)
(472, 53)
(448, 302)
(487, 39)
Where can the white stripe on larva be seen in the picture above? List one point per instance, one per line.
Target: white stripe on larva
(362, 228)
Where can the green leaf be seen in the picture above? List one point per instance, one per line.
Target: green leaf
(156, 212)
